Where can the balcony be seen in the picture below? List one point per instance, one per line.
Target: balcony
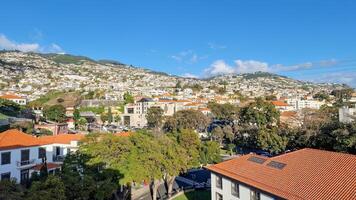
(26, 163)
(58, 158)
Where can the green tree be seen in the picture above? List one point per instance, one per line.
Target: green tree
(217, 134)
(55, 113)
(110, 117)
(226, 111)
(210, 153)
(10, 190)
(76, 116)
(8, 107)
(51, 188)
(154, 117)
(128, 98)
(187, 119)
(228, 133)
(260, 113)
(82, 122)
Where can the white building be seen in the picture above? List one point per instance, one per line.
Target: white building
(299, 104)
(22, 154)
(134, 114)
(347, 115)
(303, 174)
(17, 99)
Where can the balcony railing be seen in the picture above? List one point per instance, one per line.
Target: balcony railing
(24, 163)
(58, 158)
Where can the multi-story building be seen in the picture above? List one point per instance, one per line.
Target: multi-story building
(299, 104)
(22, 154)
(308, 174)
(134, 113)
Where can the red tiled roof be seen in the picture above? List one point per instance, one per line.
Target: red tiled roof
(14, 138)
(10, 96)
(309, 174)
(279, 103)
(49, 166)
(288, 114)
(60, 139)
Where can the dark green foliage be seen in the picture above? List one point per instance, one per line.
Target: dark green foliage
(186, 119)
(55, 113)
(226, 111)
(210, 153)
(321, 96)
(50, 189)
(10, 190)
(128, 98)
(154, 117)
(9, 108)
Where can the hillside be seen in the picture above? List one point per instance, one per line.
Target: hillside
(34, 74)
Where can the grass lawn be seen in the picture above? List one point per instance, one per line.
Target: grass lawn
(195, 195)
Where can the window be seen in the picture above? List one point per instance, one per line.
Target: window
(5, 176)
(254, 195)
(130, 110)
(218, 182)
(5, 158)
(41, 153)
(219, 196)
(235, 190)
(25, 157)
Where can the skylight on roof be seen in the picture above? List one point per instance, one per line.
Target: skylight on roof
(256, 159)
(277, 165)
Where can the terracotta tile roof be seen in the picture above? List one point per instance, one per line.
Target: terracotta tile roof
(10, 96)
(60, 139)
(279, 103)
(14, 138)
(308, 174)
(49, 166)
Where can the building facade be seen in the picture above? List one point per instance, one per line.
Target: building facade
(22, 154)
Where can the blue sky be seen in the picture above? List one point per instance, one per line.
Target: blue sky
(305, 39)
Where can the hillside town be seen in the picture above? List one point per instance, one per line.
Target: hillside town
(132, 133)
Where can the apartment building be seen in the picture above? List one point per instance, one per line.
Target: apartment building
(299, 104)
(22, 154)
(307, 174)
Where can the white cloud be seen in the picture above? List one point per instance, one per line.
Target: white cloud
(188, 57)
(8, 44)
(216, 46)
(189, 75)
(219, 67)
(250, 66)
(348, 78)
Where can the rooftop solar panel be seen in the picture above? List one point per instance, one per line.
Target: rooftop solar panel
(257, 159)
(277, 165)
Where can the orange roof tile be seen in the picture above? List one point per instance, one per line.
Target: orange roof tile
(10, 96)
(308, 174)
(279, 103)
(60, 139)
(14, 138)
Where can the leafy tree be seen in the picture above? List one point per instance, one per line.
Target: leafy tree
(321, 96)
(8, 107)
(187, 119)
(228, 133)
(226, 111)
(76, 116)
(210, 153)
(87, 182)
(154, 117)
(260, 113)
(271, 97)
(10, 190)
(110, 117)
(190, 141)
(55, 113)
(128, 98)
(51, 188)
(269, 140)
(217, 134)
(82, 122)
(231, 148)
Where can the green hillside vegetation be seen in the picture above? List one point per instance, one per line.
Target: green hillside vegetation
(68, 59)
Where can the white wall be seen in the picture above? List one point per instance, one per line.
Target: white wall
(226, 190)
